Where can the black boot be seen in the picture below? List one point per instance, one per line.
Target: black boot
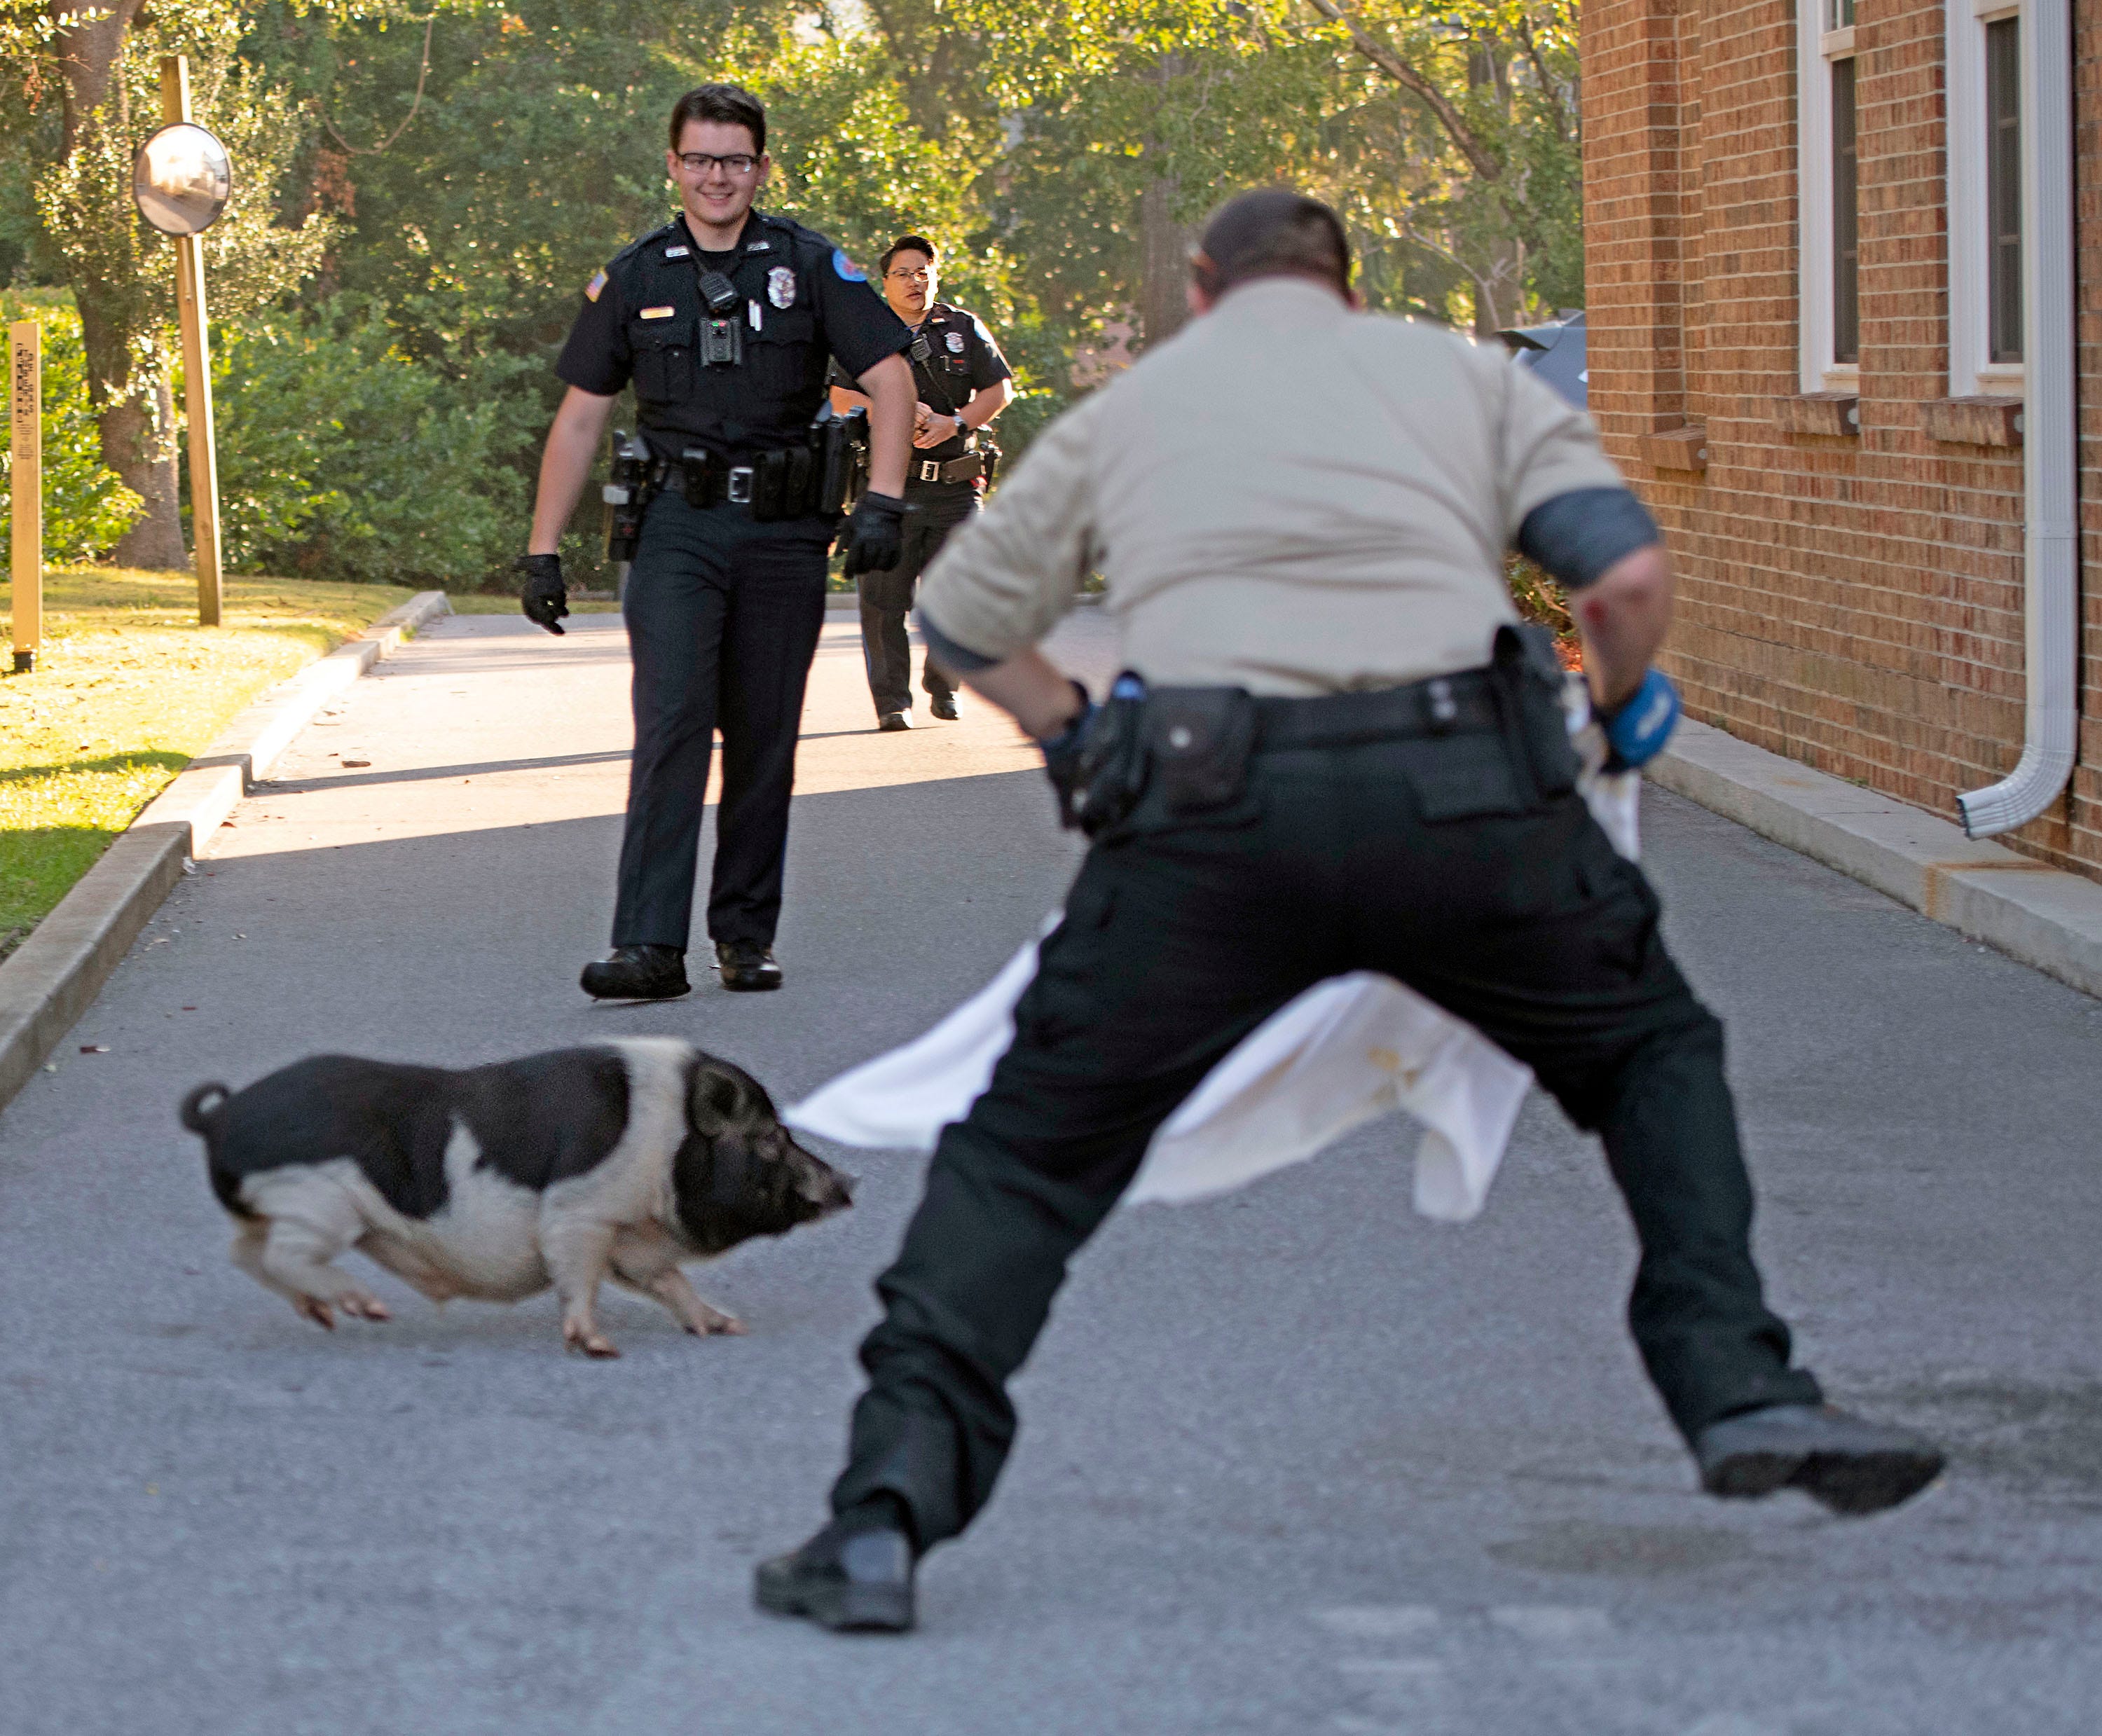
(854, 1575)
(943, 706)
(637, 973)
(1852, 1465)
(747, 965)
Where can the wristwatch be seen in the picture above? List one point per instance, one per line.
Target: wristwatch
(963, 427)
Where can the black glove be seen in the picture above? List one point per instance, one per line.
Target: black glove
(544, 597)
(875, 535)
(1062, 758)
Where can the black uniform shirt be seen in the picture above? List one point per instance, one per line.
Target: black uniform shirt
(956, 358)
(803, 300)
(953, 356)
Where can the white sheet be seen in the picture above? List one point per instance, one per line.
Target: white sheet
(1348, 1050)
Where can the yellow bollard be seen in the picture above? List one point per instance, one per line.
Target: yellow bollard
(25, 363)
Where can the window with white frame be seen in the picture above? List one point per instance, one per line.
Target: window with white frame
(1828, 206)
(1985, 197)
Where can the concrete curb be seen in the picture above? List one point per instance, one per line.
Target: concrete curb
(56, 973)
(2041, 915)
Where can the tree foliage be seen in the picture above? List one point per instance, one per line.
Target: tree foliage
(423, 192)
(86, 506)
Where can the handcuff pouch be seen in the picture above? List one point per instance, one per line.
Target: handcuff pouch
(1198, 740)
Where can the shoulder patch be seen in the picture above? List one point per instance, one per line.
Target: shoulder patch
(592, 290)
(846, 268)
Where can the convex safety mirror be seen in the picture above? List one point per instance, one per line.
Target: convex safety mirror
(182, 179)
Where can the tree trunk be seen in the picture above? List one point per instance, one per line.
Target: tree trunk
(136, 429)
(1499, 290)
(1165, 268)
(137, 433)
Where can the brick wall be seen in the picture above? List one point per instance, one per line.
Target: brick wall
(1851, 599)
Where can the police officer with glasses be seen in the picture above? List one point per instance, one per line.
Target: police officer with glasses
(963, 382)
(1335, 751)
(724, 321)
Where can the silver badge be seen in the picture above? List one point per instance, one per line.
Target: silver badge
(675, 253)
(781, 286)
(956, 343)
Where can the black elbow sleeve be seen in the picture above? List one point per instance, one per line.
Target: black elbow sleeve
(952, 657)
(1576, 536)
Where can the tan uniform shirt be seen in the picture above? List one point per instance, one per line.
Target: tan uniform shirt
(1288, 498)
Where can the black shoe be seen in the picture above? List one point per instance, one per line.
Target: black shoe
(854, 1576)
(894, 720)
(1851, 1465)
(942, 705)
(747, 965)
(638, 973)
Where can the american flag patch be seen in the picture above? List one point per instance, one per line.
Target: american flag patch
(593, 288)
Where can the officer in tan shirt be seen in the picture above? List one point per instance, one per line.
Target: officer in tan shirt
(1333, 749)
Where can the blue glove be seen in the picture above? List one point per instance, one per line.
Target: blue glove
(1637, 727)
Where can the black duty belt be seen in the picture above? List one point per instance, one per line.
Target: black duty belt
(709, 479)
(968, 468)
(1461, 704)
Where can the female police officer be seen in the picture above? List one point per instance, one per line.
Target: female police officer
(1345, 760)
(724, 320)
(963, 382)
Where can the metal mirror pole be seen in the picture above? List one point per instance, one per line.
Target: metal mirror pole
(197, 372)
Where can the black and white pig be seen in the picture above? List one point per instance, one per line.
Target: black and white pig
(617, 1160)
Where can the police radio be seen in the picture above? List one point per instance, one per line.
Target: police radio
(722, 330)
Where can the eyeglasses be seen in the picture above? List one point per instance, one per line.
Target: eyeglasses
(699, 162)
(921, 275)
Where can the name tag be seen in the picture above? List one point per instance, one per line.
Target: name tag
(676, 253)
(656, 313)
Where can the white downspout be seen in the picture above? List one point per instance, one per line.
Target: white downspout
(2050, 454)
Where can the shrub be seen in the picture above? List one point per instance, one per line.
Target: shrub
(340, 457)
(86, 507)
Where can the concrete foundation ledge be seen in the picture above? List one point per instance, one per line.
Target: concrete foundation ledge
(51, 978)
(2041, 915)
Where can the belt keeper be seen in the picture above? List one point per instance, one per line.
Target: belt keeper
(1444, 709)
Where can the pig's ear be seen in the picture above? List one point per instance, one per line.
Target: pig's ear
(726, 1097)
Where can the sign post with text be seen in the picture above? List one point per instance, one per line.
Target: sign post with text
(25, 491)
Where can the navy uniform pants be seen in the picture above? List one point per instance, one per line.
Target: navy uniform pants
(1178, 940)
(723, 617)
(886, 597)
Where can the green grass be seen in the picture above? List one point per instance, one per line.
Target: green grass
(127, 690)
(494, 603)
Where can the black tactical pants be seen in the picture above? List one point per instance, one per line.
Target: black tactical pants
(886, 597)
(1178, 941)
(723, 618)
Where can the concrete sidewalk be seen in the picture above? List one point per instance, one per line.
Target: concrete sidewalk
(1293, 1461)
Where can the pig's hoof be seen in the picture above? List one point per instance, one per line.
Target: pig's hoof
(364, 1306)
(313, 1309)
(712, 1323)
(592, 1344)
